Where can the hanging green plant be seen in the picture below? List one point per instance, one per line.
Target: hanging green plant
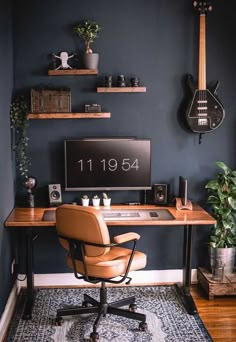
(18, 114)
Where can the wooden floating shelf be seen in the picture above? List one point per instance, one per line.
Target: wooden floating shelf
(68, 72)
(70, 116)
(121, 89)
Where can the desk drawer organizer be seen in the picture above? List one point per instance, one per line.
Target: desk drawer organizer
(50, 101)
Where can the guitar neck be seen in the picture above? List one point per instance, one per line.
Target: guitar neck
(202, 53)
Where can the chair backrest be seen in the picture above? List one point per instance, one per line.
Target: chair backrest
(82, 223)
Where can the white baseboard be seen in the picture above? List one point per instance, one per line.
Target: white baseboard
(8, 312)
(138, 278)
(69, 280)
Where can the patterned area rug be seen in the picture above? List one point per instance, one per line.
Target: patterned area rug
(166, 317)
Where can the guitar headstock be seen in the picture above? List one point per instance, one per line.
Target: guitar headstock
(203, 7)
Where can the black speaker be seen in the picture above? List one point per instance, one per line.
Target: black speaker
(54, 192)
(160, 194)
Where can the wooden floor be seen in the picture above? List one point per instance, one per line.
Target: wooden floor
(218, 315)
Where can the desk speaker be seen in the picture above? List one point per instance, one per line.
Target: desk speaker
(160, 194)
(54, 192)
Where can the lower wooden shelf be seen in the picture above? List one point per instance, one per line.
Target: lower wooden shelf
(69, 116)
(214, 288)
(121, 90)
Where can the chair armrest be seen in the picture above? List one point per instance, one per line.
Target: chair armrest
(126, 237)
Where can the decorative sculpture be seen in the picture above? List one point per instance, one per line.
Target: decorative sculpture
(64, 57)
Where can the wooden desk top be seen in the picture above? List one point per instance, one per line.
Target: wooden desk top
(32, 217)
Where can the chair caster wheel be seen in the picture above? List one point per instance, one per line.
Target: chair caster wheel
(133, 307)
(85, 304)
(94, 337)
(143, 326)
(59, 321)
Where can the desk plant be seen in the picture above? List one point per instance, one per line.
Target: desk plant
(18, 116)
(222, 198)
(106, 200)
(85, 200)
(96, 201)
(88, 31)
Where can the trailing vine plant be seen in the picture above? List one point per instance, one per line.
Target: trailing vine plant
(18, 114)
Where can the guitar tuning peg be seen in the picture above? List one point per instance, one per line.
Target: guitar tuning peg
(195, 3)
(210, 8)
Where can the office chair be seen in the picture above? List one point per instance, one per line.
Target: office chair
(83, 232)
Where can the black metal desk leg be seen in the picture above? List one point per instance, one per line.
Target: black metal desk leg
(27, 314)
(187, 271)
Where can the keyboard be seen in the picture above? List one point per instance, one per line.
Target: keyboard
(119, 215)
(137, 215)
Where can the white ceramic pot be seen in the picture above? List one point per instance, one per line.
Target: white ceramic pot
(96, 202)
(106, 202)
(85, 202)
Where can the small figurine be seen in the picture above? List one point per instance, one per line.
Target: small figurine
(121, 81)
(64, 60)
(135, 81)
(108, 81)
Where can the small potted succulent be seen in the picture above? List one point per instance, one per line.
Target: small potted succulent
(96, 201)
(85, 201)
(88, 31)
(106, 200)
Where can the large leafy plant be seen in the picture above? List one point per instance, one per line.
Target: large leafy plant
(88, 31)
(222, 197)
(18, 114)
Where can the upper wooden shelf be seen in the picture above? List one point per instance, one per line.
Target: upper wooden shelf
(121, 89)
(64, 72)
(69, 116)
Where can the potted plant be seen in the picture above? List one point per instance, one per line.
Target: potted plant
(18, 115)
(96, 201)
(106, 200)
(222, 198)
(88, 31)
(85, 201)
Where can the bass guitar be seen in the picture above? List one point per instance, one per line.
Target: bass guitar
(205, 112)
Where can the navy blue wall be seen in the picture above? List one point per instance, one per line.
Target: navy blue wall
(6, 173)
(157, 41)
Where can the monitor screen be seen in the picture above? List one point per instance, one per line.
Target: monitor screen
(107, 164)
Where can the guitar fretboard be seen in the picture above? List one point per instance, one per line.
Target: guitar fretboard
(202, 53)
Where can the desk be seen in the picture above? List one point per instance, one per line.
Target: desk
(30, 218)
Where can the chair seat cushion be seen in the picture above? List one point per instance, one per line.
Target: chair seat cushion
(111, 264)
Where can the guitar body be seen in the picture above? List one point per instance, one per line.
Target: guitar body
(205, 112)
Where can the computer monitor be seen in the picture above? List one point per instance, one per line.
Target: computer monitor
(107, 164)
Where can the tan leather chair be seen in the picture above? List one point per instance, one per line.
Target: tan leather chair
(83, 232)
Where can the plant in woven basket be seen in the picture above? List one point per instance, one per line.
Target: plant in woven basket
(18, 114)
(222, 197)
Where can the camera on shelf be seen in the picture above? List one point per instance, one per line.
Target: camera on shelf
(92, 108)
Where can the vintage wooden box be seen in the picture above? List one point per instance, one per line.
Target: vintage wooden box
(50, 101)
(213, 288)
